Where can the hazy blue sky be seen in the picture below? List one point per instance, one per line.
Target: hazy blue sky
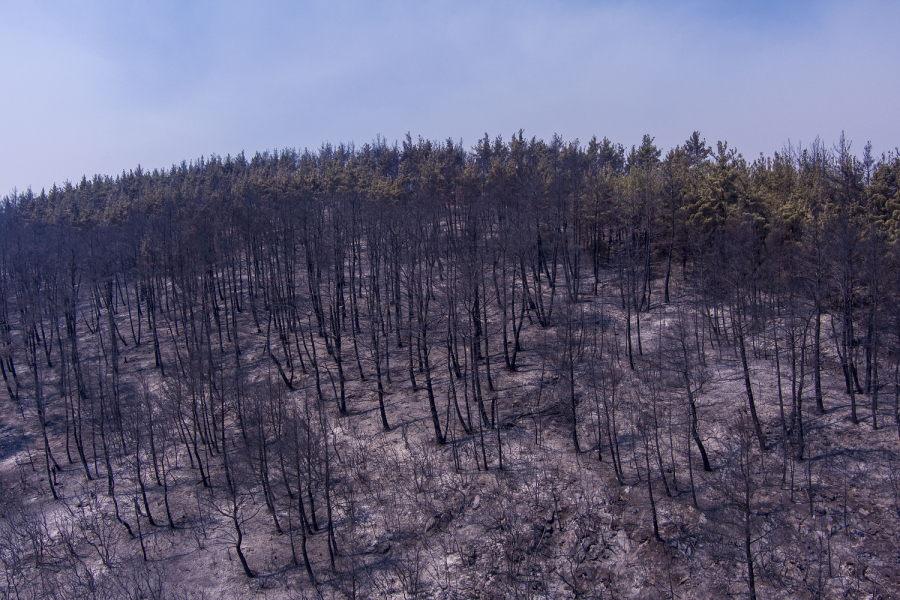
(101, 86)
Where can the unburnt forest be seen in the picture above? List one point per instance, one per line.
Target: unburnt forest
(529, 369)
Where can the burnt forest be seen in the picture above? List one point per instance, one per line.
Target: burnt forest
(525, 369)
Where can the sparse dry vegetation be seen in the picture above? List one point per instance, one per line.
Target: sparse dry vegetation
(531, 370)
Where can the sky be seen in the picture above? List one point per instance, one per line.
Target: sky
(102, 86)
